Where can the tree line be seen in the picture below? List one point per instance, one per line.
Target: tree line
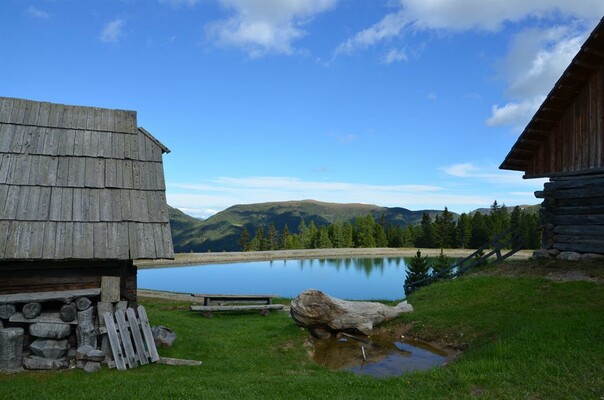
(442, 231)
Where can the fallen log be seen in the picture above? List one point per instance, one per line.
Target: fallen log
(324, 315)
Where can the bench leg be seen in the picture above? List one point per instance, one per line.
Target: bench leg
(208, 314)
(265, 312)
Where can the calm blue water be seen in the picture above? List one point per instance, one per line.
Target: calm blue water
(353, 278)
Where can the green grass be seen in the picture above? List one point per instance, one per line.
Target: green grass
(523, 338)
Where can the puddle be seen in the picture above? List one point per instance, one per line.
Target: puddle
(384, 357)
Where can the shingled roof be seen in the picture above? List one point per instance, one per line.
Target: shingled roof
(79, 183)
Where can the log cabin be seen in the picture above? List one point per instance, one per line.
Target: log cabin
(564, 141)
(82, 195)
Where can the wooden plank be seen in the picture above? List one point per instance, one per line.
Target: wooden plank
(147, 334)
(110, 289)
(123, 246)
(106, 205)
(114, 341)
(159, 176)
(117, 146)
(4, 235)
(257, 307)
(178, 362)
(67, 201)
(62, 178)
(100, 241)
(77, 172)
(168, 245)
(65, 296)
(78, 208)
(579, 229)
(124, 331)
(593, 219)
(126, 205)
(579, 247)
(50, 233)
(141, 352)
(78, 143)
(94, 214)
(22, 203)
(66, 142)
(128, 175)
(111, 173)
(12, 202)
(5, 109)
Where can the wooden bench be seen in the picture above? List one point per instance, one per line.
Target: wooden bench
(216, 302)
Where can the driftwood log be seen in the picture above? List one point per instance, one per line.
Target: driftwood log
(324, 315)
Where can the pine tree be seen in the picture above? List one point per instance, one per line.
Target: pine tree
(417, 270)
(440, 265)
(272, 239)
(244, 240)
(463, 231)
(286, 240)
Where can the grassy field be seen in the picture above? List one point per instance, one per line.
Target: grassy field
(523, 335)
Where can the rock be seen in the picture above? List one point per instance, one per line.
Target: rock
(541, 254)
(36, 362)
(92, 366)
(591, 257)
(323, 314)
(7, 310)
(11, 349)
(48, 348)
(31, 310)
(49, 330)
(95, 355)
(1, 324)
(569, 256)
(83, 351)
(86, 330)
(68, 313)
(163, 337)
(554, 252)
(83, 303)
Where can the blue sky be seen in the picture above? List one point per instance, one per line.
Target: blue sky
(399, 103)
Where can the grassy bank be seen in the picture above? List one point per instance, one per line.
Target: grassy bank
(524, 336)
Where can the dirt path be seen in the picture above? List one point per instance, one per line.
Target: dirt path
(231, 257)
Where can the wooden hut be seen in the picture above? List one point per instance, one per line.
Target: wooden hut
(564, 141)
(82, 195)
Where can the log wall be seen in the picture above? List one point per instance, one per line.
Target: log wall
(44, 276)
(572, 213)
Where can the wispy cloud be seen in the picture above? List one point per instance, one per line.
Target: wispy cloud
(224, 192)
(37, 13)
(395, 55)
(112, 31)
(179, 3)
(491, 175)
(260, 27)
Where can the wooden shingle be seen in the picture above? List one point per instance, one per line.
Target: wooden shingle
(79, 183)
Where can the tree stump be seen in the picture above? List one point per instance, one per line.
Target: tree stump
(7, 310)
(68, 313)
(32, 310)
(324, 315)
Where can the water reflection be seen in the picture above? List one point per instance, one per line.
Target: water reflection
(347, 278)
(384, 357)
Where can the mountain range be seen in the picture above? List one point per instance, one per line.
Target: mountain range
(222, 231)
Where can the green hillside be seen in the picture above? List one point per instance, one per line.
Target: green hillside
(222, 231)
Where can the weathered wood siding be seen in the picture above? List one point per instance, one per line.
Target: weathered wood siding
(573, 214)
(79, 183)
(576, 143)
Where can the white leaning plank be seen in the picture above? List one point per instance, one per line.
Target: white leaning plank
(141, 353)
(120, 317)
(142, 313)
(114, 341)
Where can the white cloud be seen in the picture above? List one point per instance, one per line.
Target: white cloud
(265, 26)
(395, 55)
(534, 63)
(179, 3)
(112, 31)
(224, 192)
(37, 13)
(490, 175)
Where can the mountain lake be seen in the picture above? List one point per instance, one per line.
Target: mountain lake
(349, 278)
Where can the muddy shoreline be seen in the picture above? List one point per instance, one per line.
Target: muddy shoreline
(183, 259)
